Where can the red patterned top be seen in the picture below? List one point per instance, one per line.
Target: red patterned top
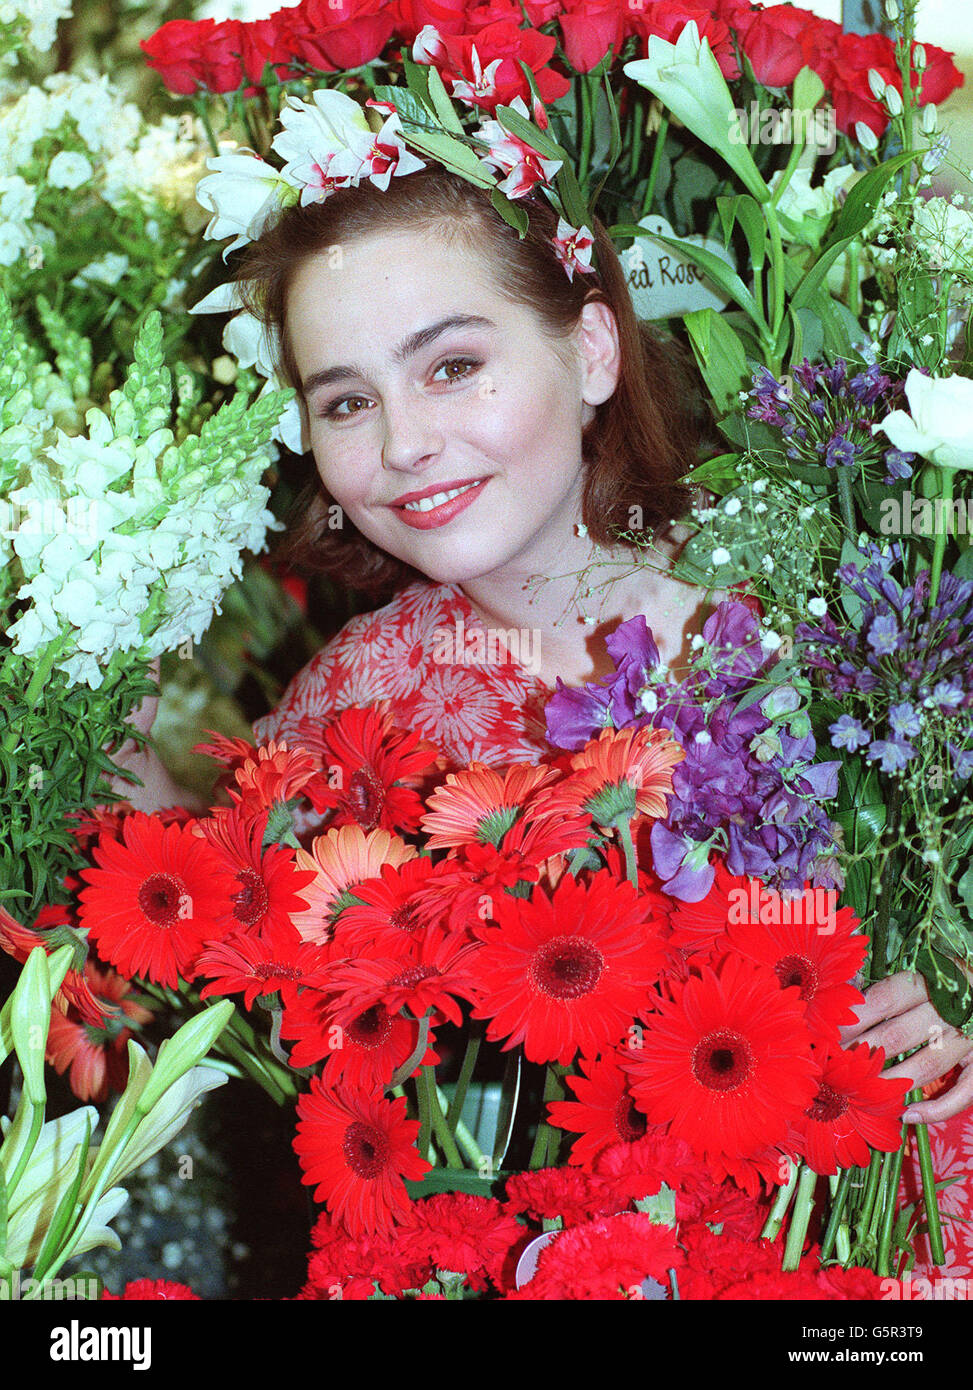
(461, 686)
(465, 687)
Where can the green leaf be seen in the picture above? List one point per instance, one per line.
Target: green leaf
(750, 215)
(719, 474)
(411, 109)
(722, 275)
(417, 79)
(720, 356)
(63, 1217)
(850, 602)
(949, 989)
(445, 149)
(863, 197)
(443, 106)
(509, 211)
(453, 1180)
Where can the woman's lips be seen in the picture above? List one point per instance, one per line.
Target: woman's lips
(439, 516)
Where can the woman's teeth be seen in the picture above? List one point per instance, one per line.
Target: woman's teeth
(426, 504)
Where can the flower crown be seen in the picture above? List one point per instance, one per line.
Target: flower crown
(328, 143)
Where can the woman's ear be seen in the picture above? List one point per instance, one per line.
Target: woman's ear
(601, 354)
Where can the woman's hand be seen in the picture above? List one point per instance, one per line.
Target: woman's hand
(158, 788)
(897, 1015)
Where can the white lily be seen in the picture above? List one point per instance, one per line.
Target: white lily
(686, 78)
(244, 194)
(938, 425)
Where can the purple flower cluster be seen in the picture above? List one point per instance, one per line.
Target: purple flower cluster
(748, 787)
(905, 661)
(827, 416)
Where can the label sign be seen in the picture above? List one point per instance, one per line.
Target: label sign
(665, 283)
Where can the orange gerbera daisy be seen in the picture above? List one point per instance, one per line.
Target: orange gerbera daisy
(620, 774)
(95, 1057)
(342, 859)
(274, 773)
(479, 804)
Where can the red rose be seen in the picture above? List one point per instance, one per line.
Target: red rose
(335, 35)
(666, 20)
(941, 76)
(588, 28)
(540, 11)
(490, 12)
(850, 92)
(506, 41)
(409, 16)
(263, 42)
(736, 13)
(222, 48)
(175, 53)
(781, 40)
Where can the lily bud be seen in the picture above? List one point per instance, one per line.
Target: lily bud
(893, 102)
(876, 83)
(866, 136)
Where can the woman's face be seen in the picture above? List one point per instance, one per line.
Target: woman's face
(425, 386)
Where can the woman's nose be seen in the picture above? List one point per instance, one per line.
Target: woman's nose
(412, 433)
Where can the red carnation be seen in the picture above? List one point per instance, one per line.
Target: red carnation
(358, 1152)
(467, 1235)
(607, 1259)
(148, 1289)
(547, 1193)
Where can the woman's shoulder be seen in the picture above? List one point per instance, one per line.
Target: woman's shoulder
(374, 656)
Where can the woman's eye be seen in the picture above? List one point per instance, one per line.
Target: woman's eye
(467, 364)
(334, 410)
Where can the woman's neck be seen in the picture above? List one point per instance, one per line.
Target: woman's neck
(584, 593)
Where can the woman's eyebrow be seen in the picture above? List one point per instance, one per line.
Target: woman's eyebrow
(407, 348)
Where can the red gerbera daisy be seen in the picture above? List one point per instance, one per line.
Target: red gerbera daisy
(432, 976)
(727, 1062)
(274, 773)
(391, 910)
(256, 967)
(569, 971)
(358, 1152)
(95, 1056)
(855, 1109)
(269, 879)
(342, 859)
(604, 1112)
(805, 946)
(155, 897)
(369, 769)
(366, 1047)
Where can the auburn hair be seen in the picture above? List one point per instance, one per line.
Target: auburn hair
(639, 445)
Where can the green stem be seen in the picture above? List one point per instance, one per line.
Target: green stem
(553, 1090)
(893, 1171)
(845, 499)
(868, 1201)
(939, 547)
(781, 1202)
(837, 1209)
(639, 118)
(777, 270)
(660, 142)
(801, 1215)
(624, 829)
(587, 131)
(929, 1198)
(426, 1085)
(466, 1071)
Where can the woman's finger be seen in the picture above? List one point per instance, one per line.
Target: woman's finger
(933, 1061)
(943, 1107)
(886, 999)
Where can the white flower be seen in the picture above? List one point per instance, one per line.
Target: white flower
(817, 607)
(944, 233)
(243, 193)
(732, 506)
(69, 169)
(720, 556)
(687, 79)
(938, 427)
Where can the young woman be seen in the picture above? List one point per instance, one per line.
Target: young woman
(483, 427)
